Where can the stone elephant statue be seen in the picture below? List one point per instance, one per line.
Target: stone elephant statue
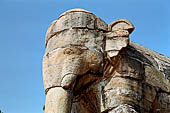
(77, 45)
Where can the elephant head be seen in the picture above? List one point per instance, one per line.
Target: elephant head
(75, 45)
(62, 66)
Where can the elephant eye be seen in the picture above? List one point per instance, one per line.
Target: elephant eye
(68, 51)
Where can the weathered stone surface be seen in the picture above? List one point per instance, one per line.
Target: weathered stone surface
(121, 24)
(157, 60)
(126, 86)
(62, 66)
(56, 99)
(75, 19)
(124, 108)
(118, 36)
(156, 79)
(83, 38)
(92, 67)
(88, 101)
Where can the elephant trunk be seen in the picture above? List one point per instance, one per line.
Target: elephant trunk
(73, 66)
(58, 100)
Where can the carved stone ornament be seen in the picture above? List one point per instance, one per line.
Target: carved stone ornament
(92, 67)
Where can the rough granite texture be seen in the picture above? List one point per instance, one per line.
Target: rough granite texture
(92, 67)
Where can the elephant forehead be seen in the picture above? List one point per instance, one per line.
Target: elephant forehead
(72, 51)
(91, 39)
(60, 54)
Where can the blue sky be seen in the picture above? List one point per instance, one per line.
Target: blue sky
(23, 24)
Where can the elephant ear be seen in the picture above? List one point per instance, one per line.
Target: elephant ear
(118, 36)
(121, 24)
